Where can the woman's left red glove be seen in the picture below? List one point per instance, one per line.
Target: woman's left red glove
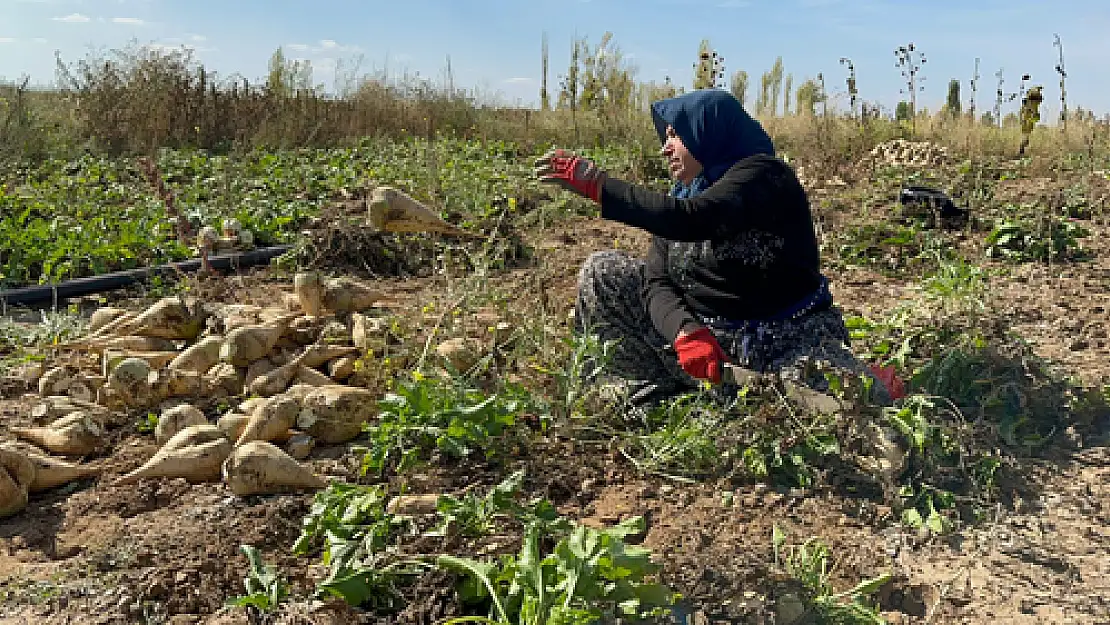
(701, 355)
(572, 172)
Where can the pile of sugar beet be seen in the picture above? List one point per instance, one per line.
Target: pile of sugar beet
(290, 361)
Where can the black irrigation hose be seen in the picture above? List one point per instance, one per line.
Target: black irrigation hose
(120, 279)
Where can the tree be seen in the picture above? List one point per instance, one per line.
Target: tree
(776, 85)
(709, 69)
(286, 77)
(763, 98)
(545, 99)
(598, 78)
(807, 97)
(786, 91)
(952, 106)
(853, 92)
(739, 86)
(904, 111)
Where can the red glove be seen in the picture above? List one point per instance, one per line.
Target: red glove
(701, 355)
(572, 172)
(889, 377)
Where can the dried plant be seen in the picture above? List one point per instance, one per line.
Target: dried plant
(910, 61)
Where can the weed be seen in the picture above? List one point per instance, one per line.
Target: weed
(808, 563)
(1043, 239)
(265, 588)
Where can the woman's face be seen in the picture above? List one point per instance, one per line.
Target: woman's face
(684, 167)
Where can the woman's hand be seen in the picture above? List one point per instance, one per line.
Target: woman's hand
(700, 354)
(572, 172)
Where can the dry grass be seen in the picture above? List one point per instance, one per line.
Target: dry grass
(139, 99)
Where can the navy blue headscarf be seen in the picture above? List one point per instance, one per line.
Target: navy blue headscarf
(715, 128)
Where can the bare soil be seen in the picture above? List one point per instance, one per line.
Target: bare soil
(167, 551)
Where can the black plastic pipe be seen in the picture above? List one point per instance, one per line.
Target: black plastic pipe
(119, 279)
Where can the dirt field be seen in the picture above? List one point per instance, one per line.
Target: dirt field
(165, 551)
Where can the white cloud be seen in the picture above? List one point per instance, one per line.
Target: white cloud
(7, 40)
(325, 45)
(72, 18)
(519, 80)
(39, 40)
(132, 21)
(197, 38)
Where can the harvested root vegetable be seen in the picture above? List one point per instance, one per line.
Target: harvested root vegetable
(76, 434)
(50, 472)
(200, 356)
(195, 453)
(175, 419)
(235, 316)
(309, 289)
(171, 383)
(126, 343)
(103, 316)
(299, 446)
(312, 377)
(174, 317)
(156, 360)
(54, 381)
(270, 420)
(56, 406)
(17, 473)
(225, 376)
(413, 505)
(344, 295)
(261, 468)
(232, 424)
(84, 389)
(248, 406)
(110, 327)
(303, 330)
(322, 353)
(393, 210)
(257, 369)
(335, 414)
(342, 368)
(133, 379)
(277, 380)
(245, 345)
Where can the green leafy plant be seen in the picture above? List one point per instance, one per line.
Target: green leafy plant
(425, 414)
(1037, 240)
(590, 575)
(350, 525)
(472, 515)
(265, 588)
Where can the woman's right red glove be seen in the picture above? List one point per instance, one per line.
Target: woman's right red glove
(701, 355)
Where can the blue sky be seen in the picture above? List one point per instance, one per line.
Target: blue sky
(494, 45)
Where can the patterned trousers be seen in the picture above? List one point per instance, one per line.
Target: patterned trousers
(610, 305)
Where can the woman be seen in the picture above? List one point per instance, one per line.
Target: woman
(732, 273)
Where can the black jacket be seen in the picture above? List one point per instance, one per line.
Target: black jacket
(744, 249)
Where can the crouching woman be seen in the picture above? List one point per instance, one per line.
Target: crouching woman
(733, 270)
